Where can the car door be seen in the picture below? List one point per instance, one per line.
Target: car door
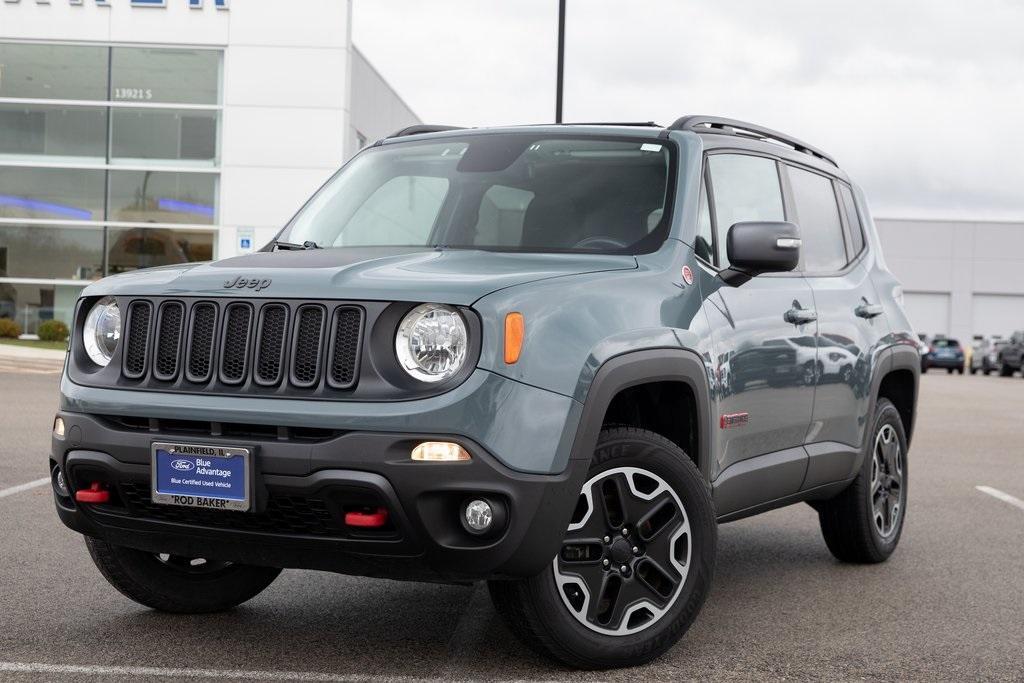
(760, 329)
(850, 321)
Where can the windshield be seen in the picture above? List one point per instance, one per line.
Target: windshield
(946, 344)
(515, 192)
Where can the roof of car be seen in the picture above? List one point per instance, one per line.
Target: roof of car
(716, 132)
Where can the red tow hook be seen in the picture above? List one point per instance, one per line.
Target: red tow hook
(94, 494)
(372, 520)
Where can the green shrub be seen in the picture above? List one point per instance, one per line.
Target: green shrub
(9, 329)
(52, 331)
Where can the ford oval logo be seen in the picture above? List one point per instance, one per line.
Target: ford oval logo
(183, 465)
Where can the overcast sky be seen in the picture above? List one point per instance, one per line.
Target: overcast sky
(922, 102)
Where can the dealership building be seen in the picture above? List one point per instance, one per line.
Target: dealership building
(136, 133)
(960, 278)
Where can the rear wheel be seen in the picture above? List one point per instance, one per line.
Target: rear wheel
(636, 563)
(173, 583)
(863, 523)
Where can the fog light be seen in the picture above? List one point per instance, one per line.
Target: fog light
(478, 516)
(58, 426)
(439, 451)
(59, 484)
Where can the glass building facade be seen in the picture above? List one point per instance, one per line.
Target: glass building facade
(109, 161)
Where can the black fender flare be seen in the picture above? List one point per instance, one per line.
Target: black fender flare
(640, 367)
(905, 357)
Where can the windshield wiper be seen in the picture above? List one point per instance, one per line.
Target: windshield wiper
(290, 246)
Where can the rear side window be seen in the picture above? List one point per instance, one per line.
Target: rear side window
(853, 220)
(744, 188)
(817, 214)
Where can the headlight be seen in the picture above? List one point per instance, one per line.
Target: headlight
(431, 342)
(102, 331)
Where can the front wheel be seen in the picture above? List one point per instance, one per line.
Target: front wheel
(173, 583)
(636, 563)
(1005, 370)
(863, 524)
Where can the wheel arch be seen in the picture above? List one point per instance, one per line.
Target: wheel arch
(898, 382)
(678, 374)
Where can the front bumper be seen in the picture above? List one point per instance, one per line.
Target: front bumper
(303, 487)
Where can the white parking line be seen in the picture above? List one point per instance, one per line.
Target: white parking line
(168, 672)
(23, 487)
(1005, 497)
(235, 674)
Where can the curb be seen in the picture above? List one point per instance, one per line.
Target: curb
(11, 352)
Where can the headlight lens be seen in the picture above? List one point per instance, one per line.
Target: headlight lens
(431, 342)
(102, 331)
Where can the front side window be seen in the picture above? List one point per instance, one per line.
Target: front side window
(817, 214)
(516, 192)
(745, 188)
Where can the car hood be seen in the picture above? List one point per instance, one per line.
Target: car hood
(453, 276)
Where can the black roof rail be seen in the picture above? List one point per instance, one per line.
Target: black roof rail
(420, 128)
(645, 124)
(723, 126)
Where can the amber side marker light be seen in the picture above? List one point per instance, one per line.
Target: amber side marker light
(439, 451)
(515, 334)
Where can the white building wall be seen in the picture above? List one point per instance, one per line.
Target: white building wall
(377, 110)
(960, 278)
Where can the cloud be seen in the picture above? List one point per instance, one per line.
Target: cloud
(920, 101)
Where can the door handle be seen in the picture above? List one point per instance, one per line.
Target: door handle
(868, 311)
(800, 316)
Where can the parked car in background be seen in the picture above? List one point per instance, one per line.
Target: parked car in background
(986, 354)
(1012, 354)
(944, 353)
(923, 349)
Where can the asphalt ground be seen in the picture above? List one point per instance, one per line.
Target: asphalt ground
(948, 605)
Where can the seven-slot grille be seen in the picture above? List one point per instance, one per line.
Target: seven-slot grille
(234, 343)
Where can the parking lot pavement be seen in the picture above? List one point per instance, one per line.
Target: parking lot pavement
(948, 605)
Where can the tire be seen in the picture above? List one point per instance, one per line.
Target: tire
(1005, 370)
(173, 584)
(986, 372)
(551, 612)
(949, 371)
(849, 521)
(974, 370)
(960, 370)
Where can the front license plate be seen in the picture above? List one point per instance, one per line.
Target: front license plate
(195, 475)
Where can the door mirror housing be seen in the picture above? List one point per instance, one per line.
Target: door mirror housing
(759, 247)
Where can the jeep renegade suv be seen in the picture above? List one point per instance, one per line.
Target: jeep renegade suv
(553, 358)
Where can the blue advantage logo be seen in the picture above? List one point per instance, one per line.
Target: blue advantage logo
(183, 465)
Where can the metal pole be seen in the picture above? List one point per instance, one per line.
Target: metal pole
(561, 61)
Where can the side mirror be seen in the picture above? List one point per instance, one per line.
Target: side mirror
(760, 247)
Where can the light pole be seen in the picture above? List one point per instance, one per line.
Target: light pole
(561, 61)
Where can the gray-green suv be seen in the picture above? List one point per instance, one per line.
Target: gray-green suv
(554, 358)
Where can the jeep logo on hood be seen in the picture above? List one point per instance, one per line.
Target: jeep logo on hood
(247, 283)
